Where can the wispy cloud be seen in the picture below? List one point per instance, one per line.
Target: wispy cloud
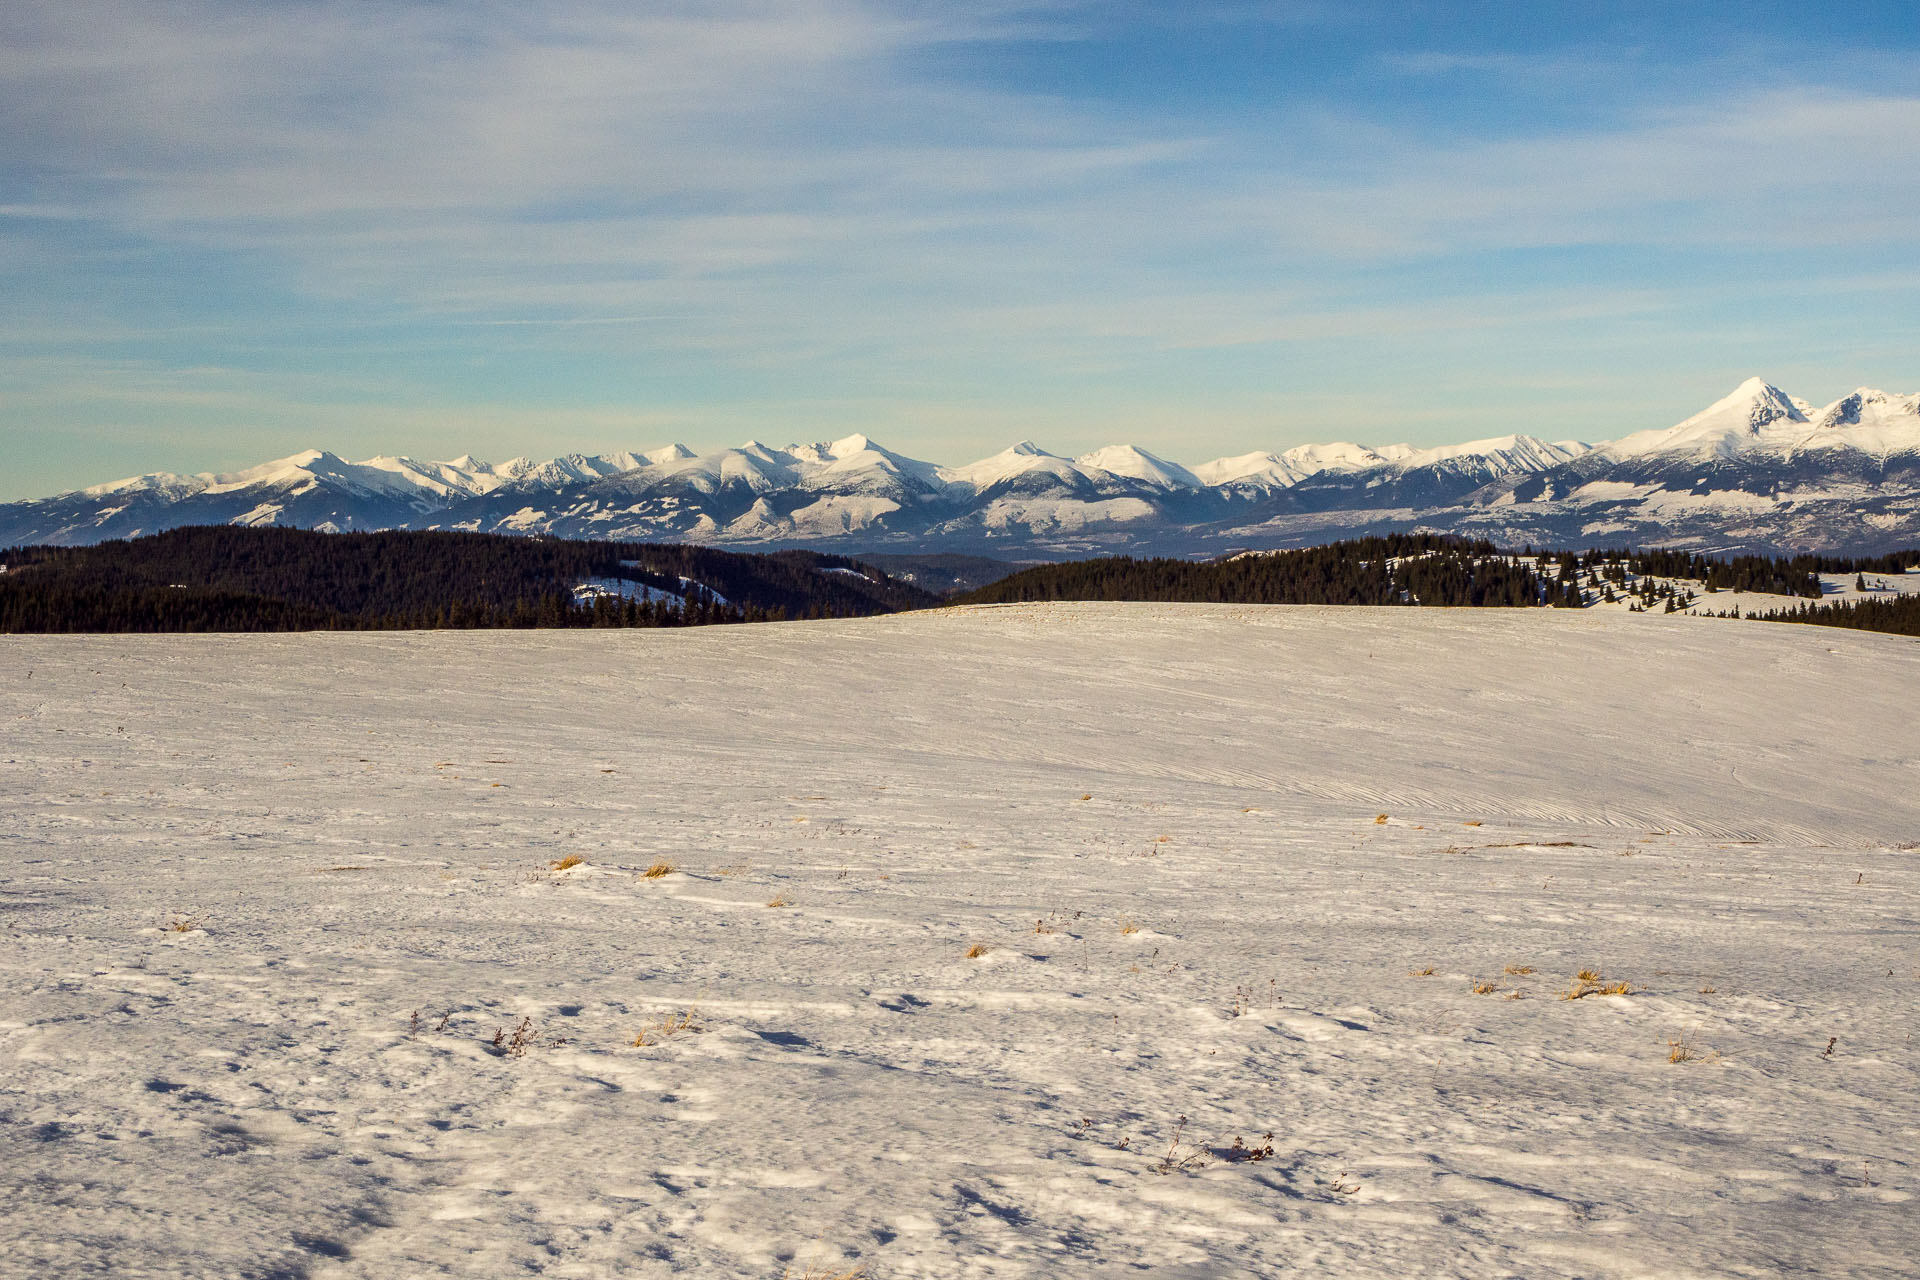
(815, 194)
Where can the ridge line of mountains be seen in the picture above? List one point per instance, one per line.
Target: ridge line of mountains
(1757, 471)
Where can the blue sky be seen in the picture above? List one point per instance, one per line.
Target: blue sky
(230, 229)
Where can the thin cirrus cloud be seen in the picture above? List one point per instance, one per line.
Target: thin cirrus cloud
(850, 212)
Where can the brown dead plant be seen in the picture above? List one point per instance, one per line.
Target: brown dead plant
(1183, 1156)
(671, 1024)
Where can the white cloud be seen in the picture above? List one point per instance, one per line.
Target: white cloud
(772, 186)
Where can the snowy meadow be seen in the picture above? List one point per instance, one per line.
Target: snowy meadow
(1035, 941)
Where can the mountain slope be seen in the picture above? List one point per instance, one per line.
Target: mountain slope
(1757, 470)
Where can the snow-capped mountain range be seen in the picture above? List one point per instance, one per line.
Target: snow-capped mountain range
(1757, 470)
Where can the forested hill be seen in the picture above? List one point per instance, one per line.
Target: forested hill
(1399, 569)
(223, 578)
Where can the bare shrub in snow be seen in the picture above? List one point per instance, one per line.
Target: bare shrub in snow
(515, 1044)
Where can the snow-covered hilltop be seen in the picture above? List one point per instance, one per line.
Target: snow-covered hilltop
(1757, 470)
(324, 957)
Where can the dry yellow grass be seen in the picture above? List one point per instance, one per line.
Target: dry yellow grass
(1380, 821)
(659, 868)
(567, 863)
(811, 1273)
(1421, 973)
(183, 924)
(1587, 975)
(977, 950)
(778, 901)
(1679, 1050)
(672, 1024)
(1518, 970)
(1127, 925)
(1593, 987)
(1485, 988)
(1470, 824)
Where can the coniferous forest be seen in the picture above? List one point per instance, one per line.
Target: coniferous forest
(226, 578)
(1394, 570)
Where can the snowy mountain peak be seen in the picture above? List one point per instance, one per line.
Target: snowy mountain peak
(1501, 453)
(1344, 455)
(1758, 400)
(849, 446)
(1137, 464)
(1718, 477)
(1756, 414)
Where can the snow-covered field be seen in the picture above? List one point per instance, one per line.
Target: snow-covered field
(1249, 867)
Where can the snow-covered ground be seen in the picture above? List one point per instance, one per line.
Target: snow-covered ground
(1314, 873)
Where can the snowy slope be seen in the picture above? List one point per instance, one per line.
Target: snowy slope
(1250, 867)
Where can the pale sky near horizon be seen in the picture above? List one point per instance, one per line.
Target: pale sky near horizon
(232, 229)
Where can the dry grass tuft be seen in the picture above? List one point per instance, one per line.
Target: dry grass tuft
(1708, 990)
(1587, 975)
(858, 1272)
(183, 924)
(567, 863)
(1087, 796)
(1421, 973)
(1470, 824)
(778, 901)
(977, 950)
(1590, 985)
(1518, 970)
(670, 1025)
(1128, 925)
(1680, 1051)
(1380, 821)
(659, 868)
(1485, 988)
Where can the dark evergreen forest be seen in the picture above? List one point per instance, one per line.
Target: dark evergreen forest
(1399, 569)
(236, 579)
(1898, 614)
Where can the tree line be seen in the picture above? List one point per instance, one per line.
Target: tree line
(1396, 569)
(222, 578)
